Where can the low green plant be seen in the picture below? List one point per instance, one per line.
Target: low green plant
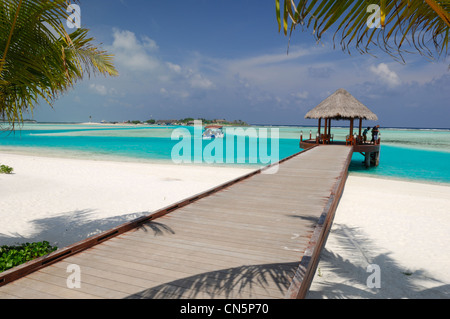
(4, 169)
(12, 256)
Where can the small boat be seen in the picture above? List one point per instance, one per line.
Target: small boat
(213, 131)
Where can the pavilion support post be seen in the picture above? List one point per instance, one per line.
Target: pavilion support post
(329, 127)
(351, 131)
(367, 157)
(325, 129)
(377, 159)
(360, 128)
(320, 124)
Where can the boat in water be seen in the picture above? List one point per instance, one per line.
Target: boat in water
(213, 131)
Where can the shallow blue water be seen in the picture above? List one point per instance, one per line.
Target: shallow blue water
(138, 146)
(404, 163)
(404, 154)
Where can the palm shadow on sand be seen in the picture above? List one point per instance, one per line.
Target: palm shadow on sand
(396, 281)
(69, 228)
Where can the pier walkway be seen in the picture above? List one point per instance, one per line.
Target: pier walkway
(259, 237)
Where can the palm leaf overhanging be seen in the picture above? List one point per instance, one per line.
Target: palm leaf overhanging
(421, 24)
(38, 58)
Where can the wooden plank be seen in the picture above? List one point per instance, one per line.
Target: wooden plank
(25, 292)
(249, 226)
(186, 227)
(4, 295)
(267, 245)
(94, 277)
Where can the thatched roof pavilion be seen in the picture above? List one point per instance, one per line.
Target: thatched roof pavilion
(341, 105)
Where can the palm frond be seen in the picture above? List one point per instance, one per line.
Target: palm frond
(422, 26)
(41, 60)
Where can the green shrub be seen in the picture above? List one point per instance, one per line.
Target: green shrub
(5, 169)
(12, 256)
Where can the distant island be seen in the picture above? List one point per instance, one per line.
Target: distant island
(185, 121)
(3, 121)
(181, 122)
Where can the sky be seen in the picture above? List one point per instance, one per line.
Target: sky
(225, 59)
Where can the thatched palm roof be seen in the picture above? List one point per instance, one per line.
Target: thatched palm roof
(341, 105)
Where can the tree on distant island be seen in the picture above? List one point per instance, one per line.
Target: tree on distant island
(388, 25)
(186, 120)
(39, 59)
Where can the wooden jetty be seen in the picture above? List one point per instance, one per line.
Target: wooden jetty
(259, 236)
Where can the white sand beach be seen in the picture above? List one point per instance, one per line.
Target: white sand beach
(400, 226)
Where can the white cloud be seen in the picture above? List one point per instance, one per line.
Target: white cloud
(149, 43)
(133, 53)
(267, 59)
(300, 95)
(99, 89)
(200, 82)
(386, 74)
(189, 76)
(174, 67)
(125, 40)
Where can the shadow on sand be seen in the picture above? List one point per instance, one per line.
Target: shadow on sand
(71, 227)
(349, 276)
(260, 281)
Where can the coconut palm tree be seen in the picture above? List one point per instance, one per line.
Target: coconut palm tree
(421, 24)
(39, 59)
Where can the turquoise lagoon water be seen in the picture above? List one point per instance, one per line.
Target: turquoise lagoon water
(413, 154)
